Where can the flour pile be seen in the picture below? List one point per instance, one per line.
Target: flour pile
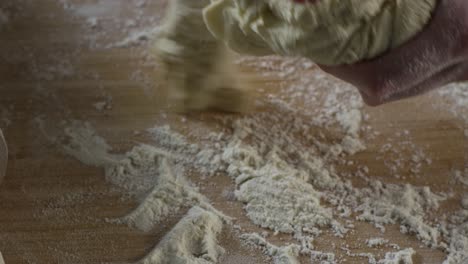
(457, 94)
(192, 240)
(105, 31)
(282, 184)
(281, 255)
(461, 177)
(169, 194)
(284, 165)
(136, 172)
(401, 257)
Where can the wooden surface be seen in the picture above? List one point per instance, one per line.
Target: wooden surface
(52, 207)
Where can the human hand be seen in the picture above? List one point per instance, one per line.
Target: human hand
(435, 57)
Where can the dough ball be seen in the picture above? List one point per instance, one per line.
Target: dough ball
(329, 32)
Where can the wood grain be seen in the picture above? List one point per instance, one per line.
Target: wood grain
(53, 208)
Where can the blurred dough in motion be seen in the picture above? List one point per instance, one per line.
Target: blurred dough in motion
(199, 70)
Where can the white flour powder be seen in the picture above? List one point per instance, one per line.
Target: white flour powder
(191, 241)
(169, 194)
(401, 257)
(136, 38)
(461, 177)
(456, 232)
(405, 205)
(283, 171)
(375, 242)
(86, 146)
(140, 169)
(457, 94)
(280, 255)
(279, 195)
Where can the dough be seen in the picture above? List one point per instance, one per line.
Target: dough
(329, 32)
(199, 69)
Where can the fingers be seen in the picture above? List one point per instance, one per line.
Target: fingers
(435, 57)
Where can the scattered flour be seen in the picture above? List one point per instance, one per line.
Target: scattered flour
(464, 202)
(404, 256)
(457, 94)
(268, 183)
(86, 146)
(283, 171)
(461, 177)
(169, 194)
(376, 242)
(282, 181)
(193, 240)
(324, 258)
(134, 24)
(269, 186)
(93, 22)
(100, 106)
(281, 255)
(285, 196)
(92, 10)
(406, 205)
(395, 152)
(136, 172)
(456, 232)
(136, 38)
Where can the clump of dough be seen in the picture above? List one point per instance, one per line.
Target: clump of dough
(198, 69)
(329, 32)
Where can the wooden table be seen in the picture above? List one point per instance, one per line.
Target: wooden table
(52, 207)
